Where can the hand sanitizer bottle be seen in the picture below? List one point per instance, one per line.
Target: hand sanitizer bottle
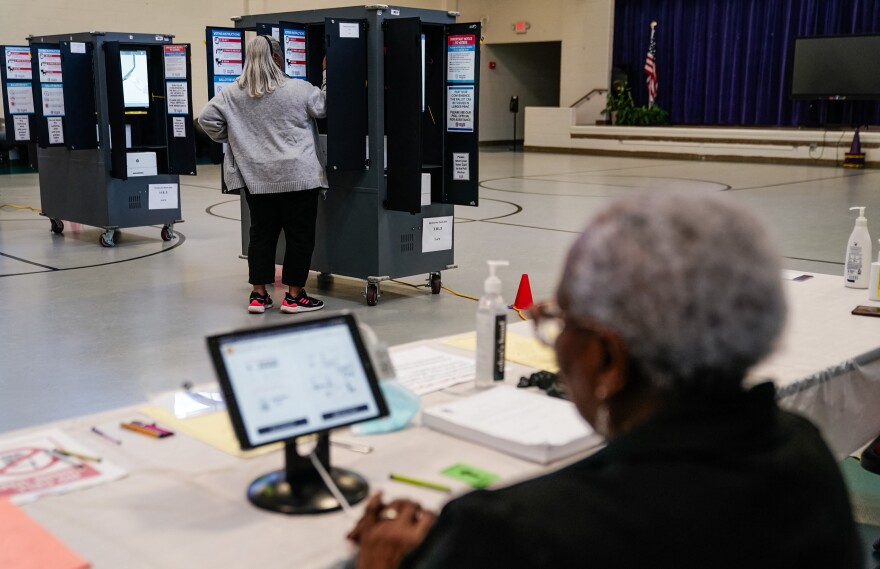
(874, 281)
(491, 330)
(858, 253)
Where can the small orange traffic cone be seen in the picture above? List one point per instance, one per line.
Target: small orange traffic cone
(523, 294)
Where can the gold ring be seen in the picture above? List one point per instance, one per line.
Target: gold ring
(388, 514)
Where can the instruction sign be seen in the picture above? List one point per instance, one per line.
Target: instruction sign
(221, 82)
(227, 52)
(18, 63)
(177, 98)
(163, 196)
(295, 53)
(22, 127)
(436, 234)
(178, 126)
(21, 98)
(461, 59)
(461, 166)
(56, 130)
(175, 61)
(49, 65)
(460, 108)
(53, 99)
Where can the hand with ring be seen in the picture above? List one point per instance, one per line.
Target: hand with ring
(387, 532)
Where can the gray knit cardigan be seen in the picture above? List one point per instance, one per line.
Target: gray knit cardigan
(272, 141)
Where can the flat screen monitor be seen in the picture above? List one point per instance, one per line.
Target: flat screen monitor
(135, 78)
(836, 66)
(295, 379)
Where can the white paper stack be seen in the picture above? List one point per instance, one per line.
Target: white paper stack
(529, 425)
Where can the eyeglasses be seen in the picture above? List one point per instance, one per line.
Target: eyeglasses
(549, 321)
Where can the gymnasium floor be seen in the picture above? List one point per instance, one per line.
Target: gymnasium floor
(86, 328)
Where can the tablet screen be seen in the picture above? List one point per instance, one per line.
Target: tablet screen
(296, 379)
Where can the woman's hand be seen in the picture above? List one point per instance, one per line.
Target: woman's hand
(324, 64)
(387, 532)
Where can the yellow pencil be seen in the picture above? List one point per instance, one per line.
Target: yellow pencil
(417, 482)
(66, 452)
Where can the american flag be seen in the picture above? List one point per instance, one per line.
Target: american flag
(651, 68)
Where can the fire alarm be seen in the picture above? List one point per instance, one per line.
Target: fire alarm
(492, 65)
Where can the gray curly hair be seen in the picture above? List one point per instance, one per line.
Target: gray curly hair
(690, 283)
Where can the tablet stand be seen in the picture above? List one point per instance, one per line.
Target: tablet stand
(299, 488)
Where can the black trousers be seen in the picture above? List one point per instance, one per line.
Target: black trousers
(295, 213)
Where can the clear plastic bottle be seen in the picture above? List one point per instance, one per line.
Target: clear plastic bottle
(491, 330)
(874, 281)
(858, 253)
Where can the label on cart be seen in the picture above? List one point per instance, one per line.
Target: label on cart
(436, 234)
(163, 196)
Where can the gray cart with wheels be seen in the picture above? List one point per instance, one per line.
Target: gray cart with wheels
(400, 135)
(111, 149)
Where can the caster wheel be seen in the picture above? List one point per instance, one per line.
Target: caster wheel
(108, 238)
(168, 233)
(372, 294)
(436, 283)
(57, 226)
(325, 280)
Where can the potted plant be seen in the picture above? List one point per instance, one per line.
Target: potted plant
(619, 104)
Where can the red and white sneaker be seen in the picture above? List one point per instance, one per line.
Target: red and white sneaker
(302, 303)
(259, 303)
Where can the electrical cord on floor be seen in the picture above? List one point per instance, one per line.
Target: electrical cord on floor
(19, 207)
(449, 290)
(407, 284)
(462, 295)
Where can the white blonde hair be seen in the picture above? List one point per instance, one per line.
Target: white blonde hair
(260, 74)
(691, 284)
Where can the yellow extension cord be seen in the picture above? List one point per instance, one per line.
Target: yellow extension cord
(19, 207)
(456, 293)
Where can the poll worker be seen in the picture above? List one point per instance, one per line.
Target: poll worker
(268, 122)
(664, 304)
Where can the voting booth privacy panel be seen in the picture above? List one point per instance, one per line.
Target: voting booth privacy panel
(111, 114)
(400, 135)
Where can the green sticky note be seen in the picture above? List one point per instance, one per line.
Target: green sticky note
(470, 475)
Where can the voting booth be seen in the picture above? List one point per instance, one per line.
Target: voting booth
(111, 114)
(400, 135)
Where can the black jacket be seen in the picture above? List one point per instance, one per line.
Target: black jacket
(706, 484)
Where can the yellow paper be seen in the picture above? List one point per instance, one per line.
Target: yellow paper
(520, 349)
(214, 429)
